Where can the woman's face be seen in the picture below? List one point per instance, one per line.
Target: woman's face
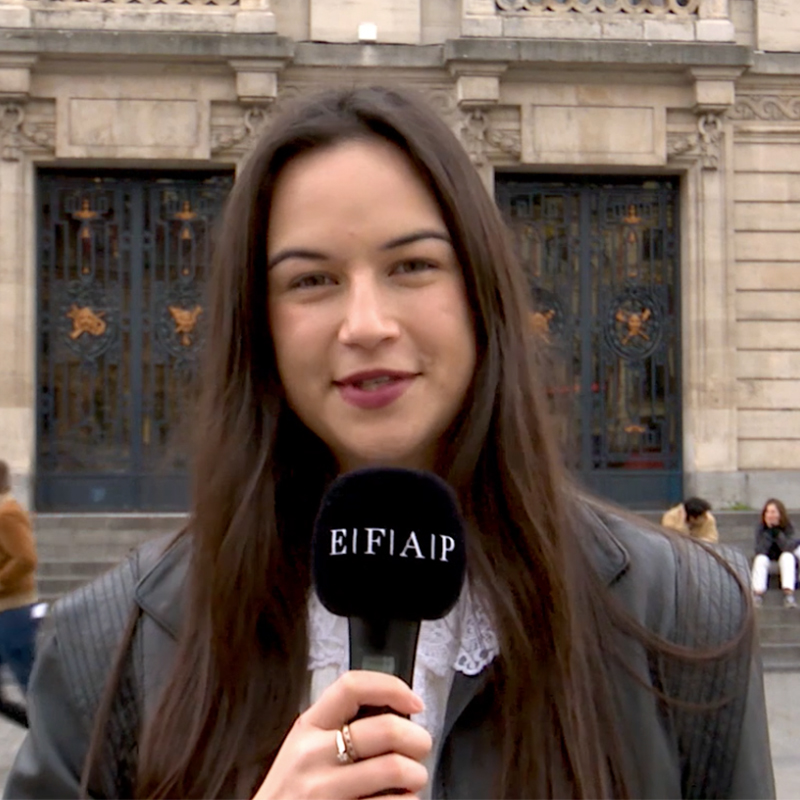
(367, 307)
(771, 515)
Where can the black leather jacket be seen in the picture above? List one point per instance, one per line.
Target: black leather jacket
(773, 542)
(673, 587)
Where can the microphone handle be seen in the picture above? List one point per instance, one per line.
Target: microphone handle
(384, 645)
(390, 646)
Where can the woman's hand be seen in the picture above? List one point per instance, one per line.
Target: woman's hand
(389, 747)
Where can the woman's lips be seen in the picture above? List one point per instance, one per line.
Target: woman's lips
(374, 392)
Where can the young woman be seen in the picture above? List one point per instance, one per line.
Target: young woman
(774, 545)
(366, 309)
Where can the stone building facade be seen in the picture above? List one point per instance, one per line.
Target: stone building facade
(645, 152)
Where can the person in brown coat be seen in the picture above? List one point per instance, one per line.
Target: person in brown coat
(693, 518)
(17, 584)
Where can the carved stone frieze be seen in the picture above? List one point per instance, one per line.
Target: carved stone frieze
(235, 129)
(483, 140)
(767, 107)
(677, 8)
(240, 136)
(485, 133)
(705, 144)
(19, 134)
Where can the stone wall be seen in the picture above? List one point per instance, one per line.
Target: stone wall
(724, 118)
(767, 221)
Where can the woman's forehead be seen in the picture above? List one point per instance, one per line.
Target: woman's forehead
(352, 187)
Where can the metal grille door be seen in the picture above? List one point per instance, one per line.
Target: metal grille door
(122, 265)
(603, 263)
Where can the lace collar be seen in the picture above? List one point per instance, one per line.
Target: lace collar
(463, 641)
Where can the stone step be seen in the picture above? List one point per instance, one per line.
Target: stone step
(735, 527)
(102, 537)
(65, 568)
(778, 634)
(75, 548)
(781, 657)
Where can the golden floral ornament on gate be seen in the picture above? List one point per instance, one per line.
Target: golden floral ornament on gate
(635, 322)
(84, 320)
(185, 321)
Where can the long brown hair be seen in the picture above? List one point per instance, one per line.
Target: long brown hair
(238, 679)
(783, 522)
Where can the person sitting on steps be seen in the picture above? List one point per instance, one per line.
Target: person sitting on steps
(774, 542)
(693, 518)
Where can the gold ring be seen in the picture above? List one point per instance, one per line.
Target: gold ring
(348, 743)
(342, 756)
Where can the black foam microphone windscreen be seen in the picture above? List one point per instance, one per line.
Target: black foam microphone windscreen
(389, 545)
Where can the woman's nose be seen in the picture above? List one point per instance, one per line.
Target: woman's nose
(368, 315)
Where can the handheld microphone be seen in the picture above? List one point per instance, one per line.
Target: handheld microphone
(388, 551)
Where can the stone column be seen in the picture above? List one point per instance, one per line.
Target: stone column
(477, 97)
(21, 140)
(17, 287)
(708, 292)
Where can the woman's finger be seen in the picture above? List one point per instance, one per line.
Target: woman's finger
(388, 733)
(374, 775)
(340, 701)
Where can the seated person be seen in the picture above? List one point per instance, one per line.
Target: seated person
(693, 518)
(774, 542)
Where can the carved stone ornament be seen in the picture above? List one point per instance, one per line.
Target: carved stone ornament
(243, 135)
(481, 140)
(17, 135)
(768, 107)
(705, 145)
(660, 8)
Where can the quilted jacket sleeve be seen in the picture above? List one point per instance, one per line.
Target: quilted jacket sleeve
(48, 765)
(752, 773)
(72, 668)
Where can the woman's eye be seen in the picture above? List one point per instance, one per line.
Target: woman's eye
(413, 265)
(311, 281)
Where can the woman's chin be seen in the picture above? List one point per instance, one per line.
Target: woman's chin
(385, 455)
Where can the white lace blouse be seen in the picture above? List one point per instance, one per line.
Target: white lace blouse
(463, 641)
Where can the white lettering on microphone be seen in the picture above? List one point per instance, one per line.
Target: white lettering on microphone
(372, 539)
(445, 549)
(344, 542)
(337, 541)
(413, 543)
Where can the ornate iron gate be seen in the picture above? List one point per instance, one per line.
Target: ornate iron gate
(122, 263)
(603, 263)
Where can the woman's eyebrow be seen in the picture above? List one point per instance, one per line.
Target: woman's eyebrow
(316, 255)
(410, 238)
(296, 252)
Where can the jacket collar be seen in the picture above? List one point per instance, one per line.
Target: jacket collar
(161, 592)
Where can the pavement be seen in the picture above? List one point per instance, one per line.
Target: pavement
(783, 709)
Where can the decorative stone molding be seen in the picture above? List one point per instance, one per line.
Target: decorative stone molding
(486, 133)
(704, 145)
(152, 2)
(236, 128)
(257, 79)
(767, 107)
(18, 134)
(240, 137)
(484, 141)
(678, 8)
